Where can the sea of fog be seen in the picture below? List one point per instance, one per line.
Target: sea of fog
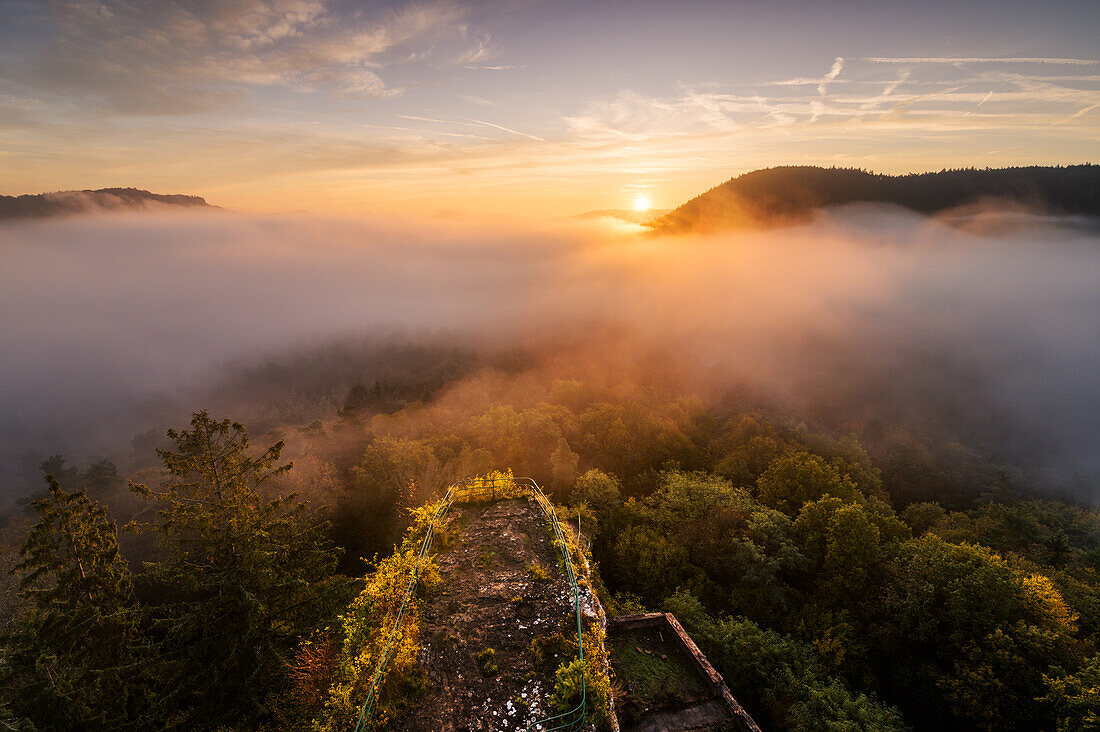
(864, 307)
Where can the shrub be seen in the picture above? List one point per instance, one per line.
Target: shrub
(487, 662)
(538, 572)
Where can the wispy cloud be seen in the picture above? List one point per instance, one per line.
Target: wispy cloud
(474, 99)
(837, 67)
(981, 60)
(896, 114)
(477, 55)
(892, 86)
(858, 110)
(1086, 110)
(123, 57)
(419, 118)
(816, 106)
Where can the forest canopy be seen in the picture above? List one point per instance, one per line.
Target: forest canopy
(868, 578)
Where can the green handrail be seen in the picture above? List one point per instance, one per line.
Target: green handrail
(480, 489)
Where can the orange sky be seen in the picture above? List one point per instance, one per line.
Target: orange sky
(544, 109)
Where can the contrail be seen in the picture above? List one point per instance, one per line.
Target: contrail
(506, 129)
(470, 123)
(984, 100)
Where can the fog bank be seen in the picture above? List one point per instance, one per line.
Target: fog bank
(112, 322)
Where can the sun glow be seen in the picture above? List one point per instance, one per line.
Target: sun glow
(641, 203)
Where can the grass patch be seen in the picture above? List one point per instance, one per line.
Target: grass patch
(538, 572)
(551, 646)
(487, 662)
(486, 557)
(651, 681)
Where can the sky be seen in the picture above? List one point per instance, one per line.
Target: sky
(521, 109)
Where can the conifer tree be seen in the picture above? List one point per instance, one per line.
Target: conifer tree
(243, 575)
(65, 668)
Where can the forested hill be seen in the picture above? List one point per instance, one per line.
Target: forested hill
(44, 205)
(777, 196)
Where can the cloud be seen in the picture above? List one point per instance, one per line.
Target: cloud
(834, 71)
(191, 56)
(981, 60)
(922, 99)
(892, 86)
(477, 55)
(474, 99)
(1085, 110)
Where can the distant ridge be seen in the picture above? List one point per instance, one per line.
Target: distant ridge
(785, 195)
(44, 205)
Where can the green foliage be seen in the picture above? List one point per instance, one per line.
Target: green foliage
(973, 607)
(590, 675)
(487, 662)
(391, 473)
(568, 686)
(366, 628)
(923, 516)
(745, 449)
(798, 478)
(100, 480)
(846, 545)
(776, 678)
(243, 576)
(646, 562)
(600, 491)
(597, 679)
(543, 647)
(837, 574)
(974, 631)
(700, 531)
(1076, 698)
(651, 679)
(563, 465)
(624, 603)
(538, 572)
(632, 440)
(70, 663)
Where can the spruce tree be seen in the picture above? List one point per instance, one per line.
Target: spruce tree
(66, 666)
(243, 574)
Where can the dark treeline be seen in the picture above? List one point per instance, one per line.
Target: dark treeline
(858, 575)
(787, 194)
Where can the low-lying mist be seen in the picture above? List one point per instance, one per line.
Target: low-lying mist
(981, 329)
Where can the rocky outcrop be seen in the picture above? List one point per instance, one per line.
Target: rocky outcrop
(499, 624)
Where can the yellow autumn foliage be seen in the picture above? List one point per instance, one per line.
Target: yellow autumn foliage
(1046, 603)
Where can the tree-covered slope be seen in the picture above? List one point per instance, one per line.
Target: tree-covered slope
(777, 196)
(44, 205)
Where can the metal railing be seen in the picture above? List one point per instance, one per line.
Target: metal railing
(470, 491)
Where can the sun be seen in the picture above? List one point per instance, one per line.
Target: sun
(641, 203)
